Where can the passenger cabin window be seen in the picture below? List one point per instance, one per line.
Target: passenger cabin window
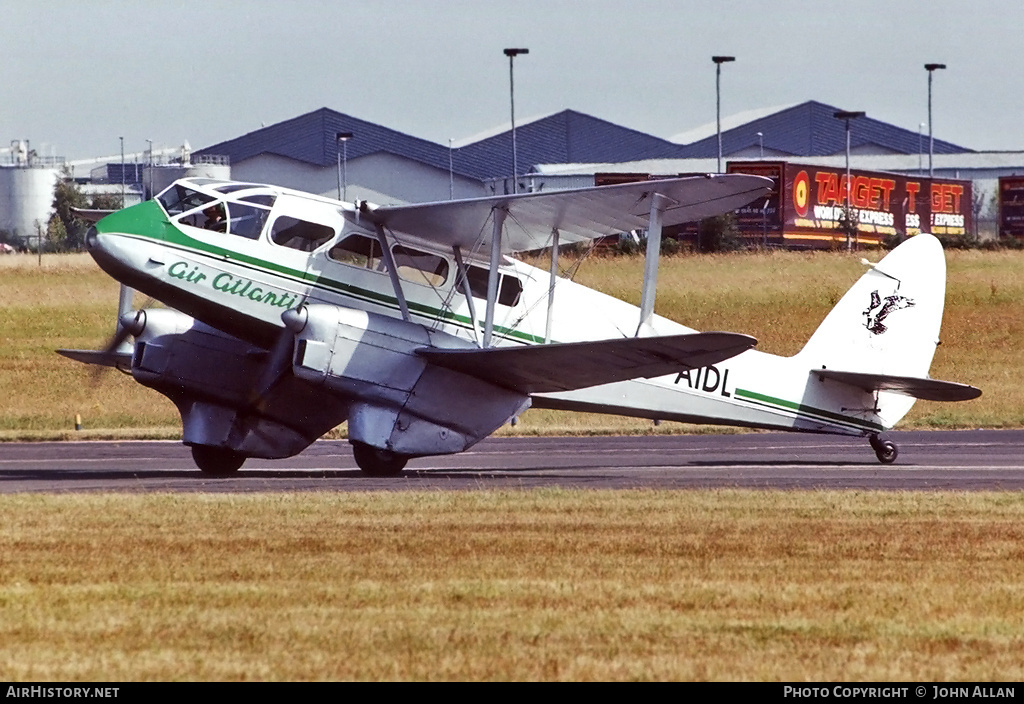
(358, 250)
(420, 267)
(300, 234)
(509, 287)
(246, 220)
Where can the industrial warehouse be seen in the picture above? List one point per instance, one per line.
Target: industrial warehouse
(837, 181)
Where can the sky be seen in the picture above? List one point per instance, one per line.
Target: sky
(77, 75)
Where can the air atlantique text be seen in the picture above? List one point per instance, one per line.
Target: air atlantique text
(920, 692)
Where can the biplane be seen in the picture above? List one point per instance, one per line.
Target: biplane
(288, 314)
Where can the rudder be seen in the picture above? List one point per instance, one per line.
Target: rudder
(888, 322)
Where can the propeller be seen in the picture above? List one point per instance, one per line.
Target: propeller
(279, 361)
(130, 323)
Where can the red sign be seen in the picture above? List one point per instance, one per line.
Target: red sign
(1011, 206)
(815, 204)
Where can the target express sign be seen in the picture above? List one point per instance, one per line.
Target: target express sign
(808, 204)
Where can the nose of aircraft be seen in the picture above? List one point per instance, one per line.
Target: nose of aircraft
(121, 242)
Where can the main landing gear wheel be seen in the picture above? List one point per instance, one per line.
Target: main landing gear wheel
(217, 461)
(378, 463)
(885, 450)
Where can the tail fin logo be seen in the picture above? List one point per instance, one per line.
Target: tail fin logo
(880, 309)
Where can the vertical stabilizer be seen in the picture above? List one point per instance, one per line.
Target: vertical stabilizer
(888, 322)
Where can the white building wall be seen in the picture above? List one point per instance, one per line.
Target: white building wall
(381, 178)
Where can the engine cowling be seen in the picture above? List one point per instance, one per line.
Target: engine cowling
(399, 401)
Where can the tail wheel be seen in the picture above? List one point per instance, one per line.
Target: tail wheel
(376, 462)
(217, 461)
(885, 450)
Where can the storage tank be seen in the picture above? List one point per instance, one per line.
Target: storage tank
(26, 198)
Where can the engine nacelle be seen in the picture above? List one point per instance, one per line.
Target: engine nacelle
(399, 401)
(210, 376)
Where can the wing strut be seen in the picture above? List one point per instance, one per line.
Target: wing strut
(551, 286)
(464, 282)
(389, 260)
(492, 275)
(652, 259)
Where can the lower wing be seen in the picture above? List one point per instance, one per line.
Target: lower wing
(576, 365)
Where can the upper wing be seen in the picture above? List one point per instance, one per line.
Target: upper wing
(576, 365)
(579, 214)
(926, 389)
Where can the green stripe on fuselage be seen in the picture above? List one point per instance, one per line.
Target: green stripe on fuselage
(807, 411)
(148, 221)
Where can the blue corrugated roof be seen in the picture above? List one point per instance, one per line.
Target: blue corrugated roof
(312, 138)
(808, 129)
(811, 129)
(568, 136)
(565, 137)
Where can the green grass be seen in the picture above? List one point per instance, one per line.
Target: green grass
(778, 297)
(505, 585)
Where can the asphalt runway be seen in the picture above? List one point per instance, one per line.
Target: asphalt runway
(955, 460)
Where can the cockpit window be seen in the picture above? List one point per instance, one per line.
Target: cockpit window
(232, 187)
(300, 234)
(179, 199)
(262, 199)
(420, 267)
(211, 218)
(358, 250)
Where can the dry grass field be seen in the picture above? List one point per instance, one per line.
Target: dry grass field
(779, 297)
(531, 585)
(538, 585)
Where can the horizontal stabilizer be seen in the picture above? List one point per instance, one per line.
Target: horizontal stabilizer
(577, 365)
(925, 389)
(106, 359)
(91, 215)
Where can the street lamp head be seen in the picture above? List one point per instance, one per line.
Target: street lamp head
(723, 59)
(344, 136)
(515, 52)
(848, 114)
(932, 67)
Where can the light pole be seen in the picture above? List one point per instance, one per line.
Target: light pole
(512, 54)
(847, 116)
(719, 60)
(931, 68)
(343, 137)
(451, 172)
(149, 143)
(122, 171)
(760, 143)
(920, 149)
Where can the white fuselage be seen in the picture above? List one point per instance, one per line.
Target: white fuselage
(239, 284)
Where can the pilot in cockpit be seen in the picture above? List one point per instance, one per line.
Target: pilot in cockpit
(215, 219)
